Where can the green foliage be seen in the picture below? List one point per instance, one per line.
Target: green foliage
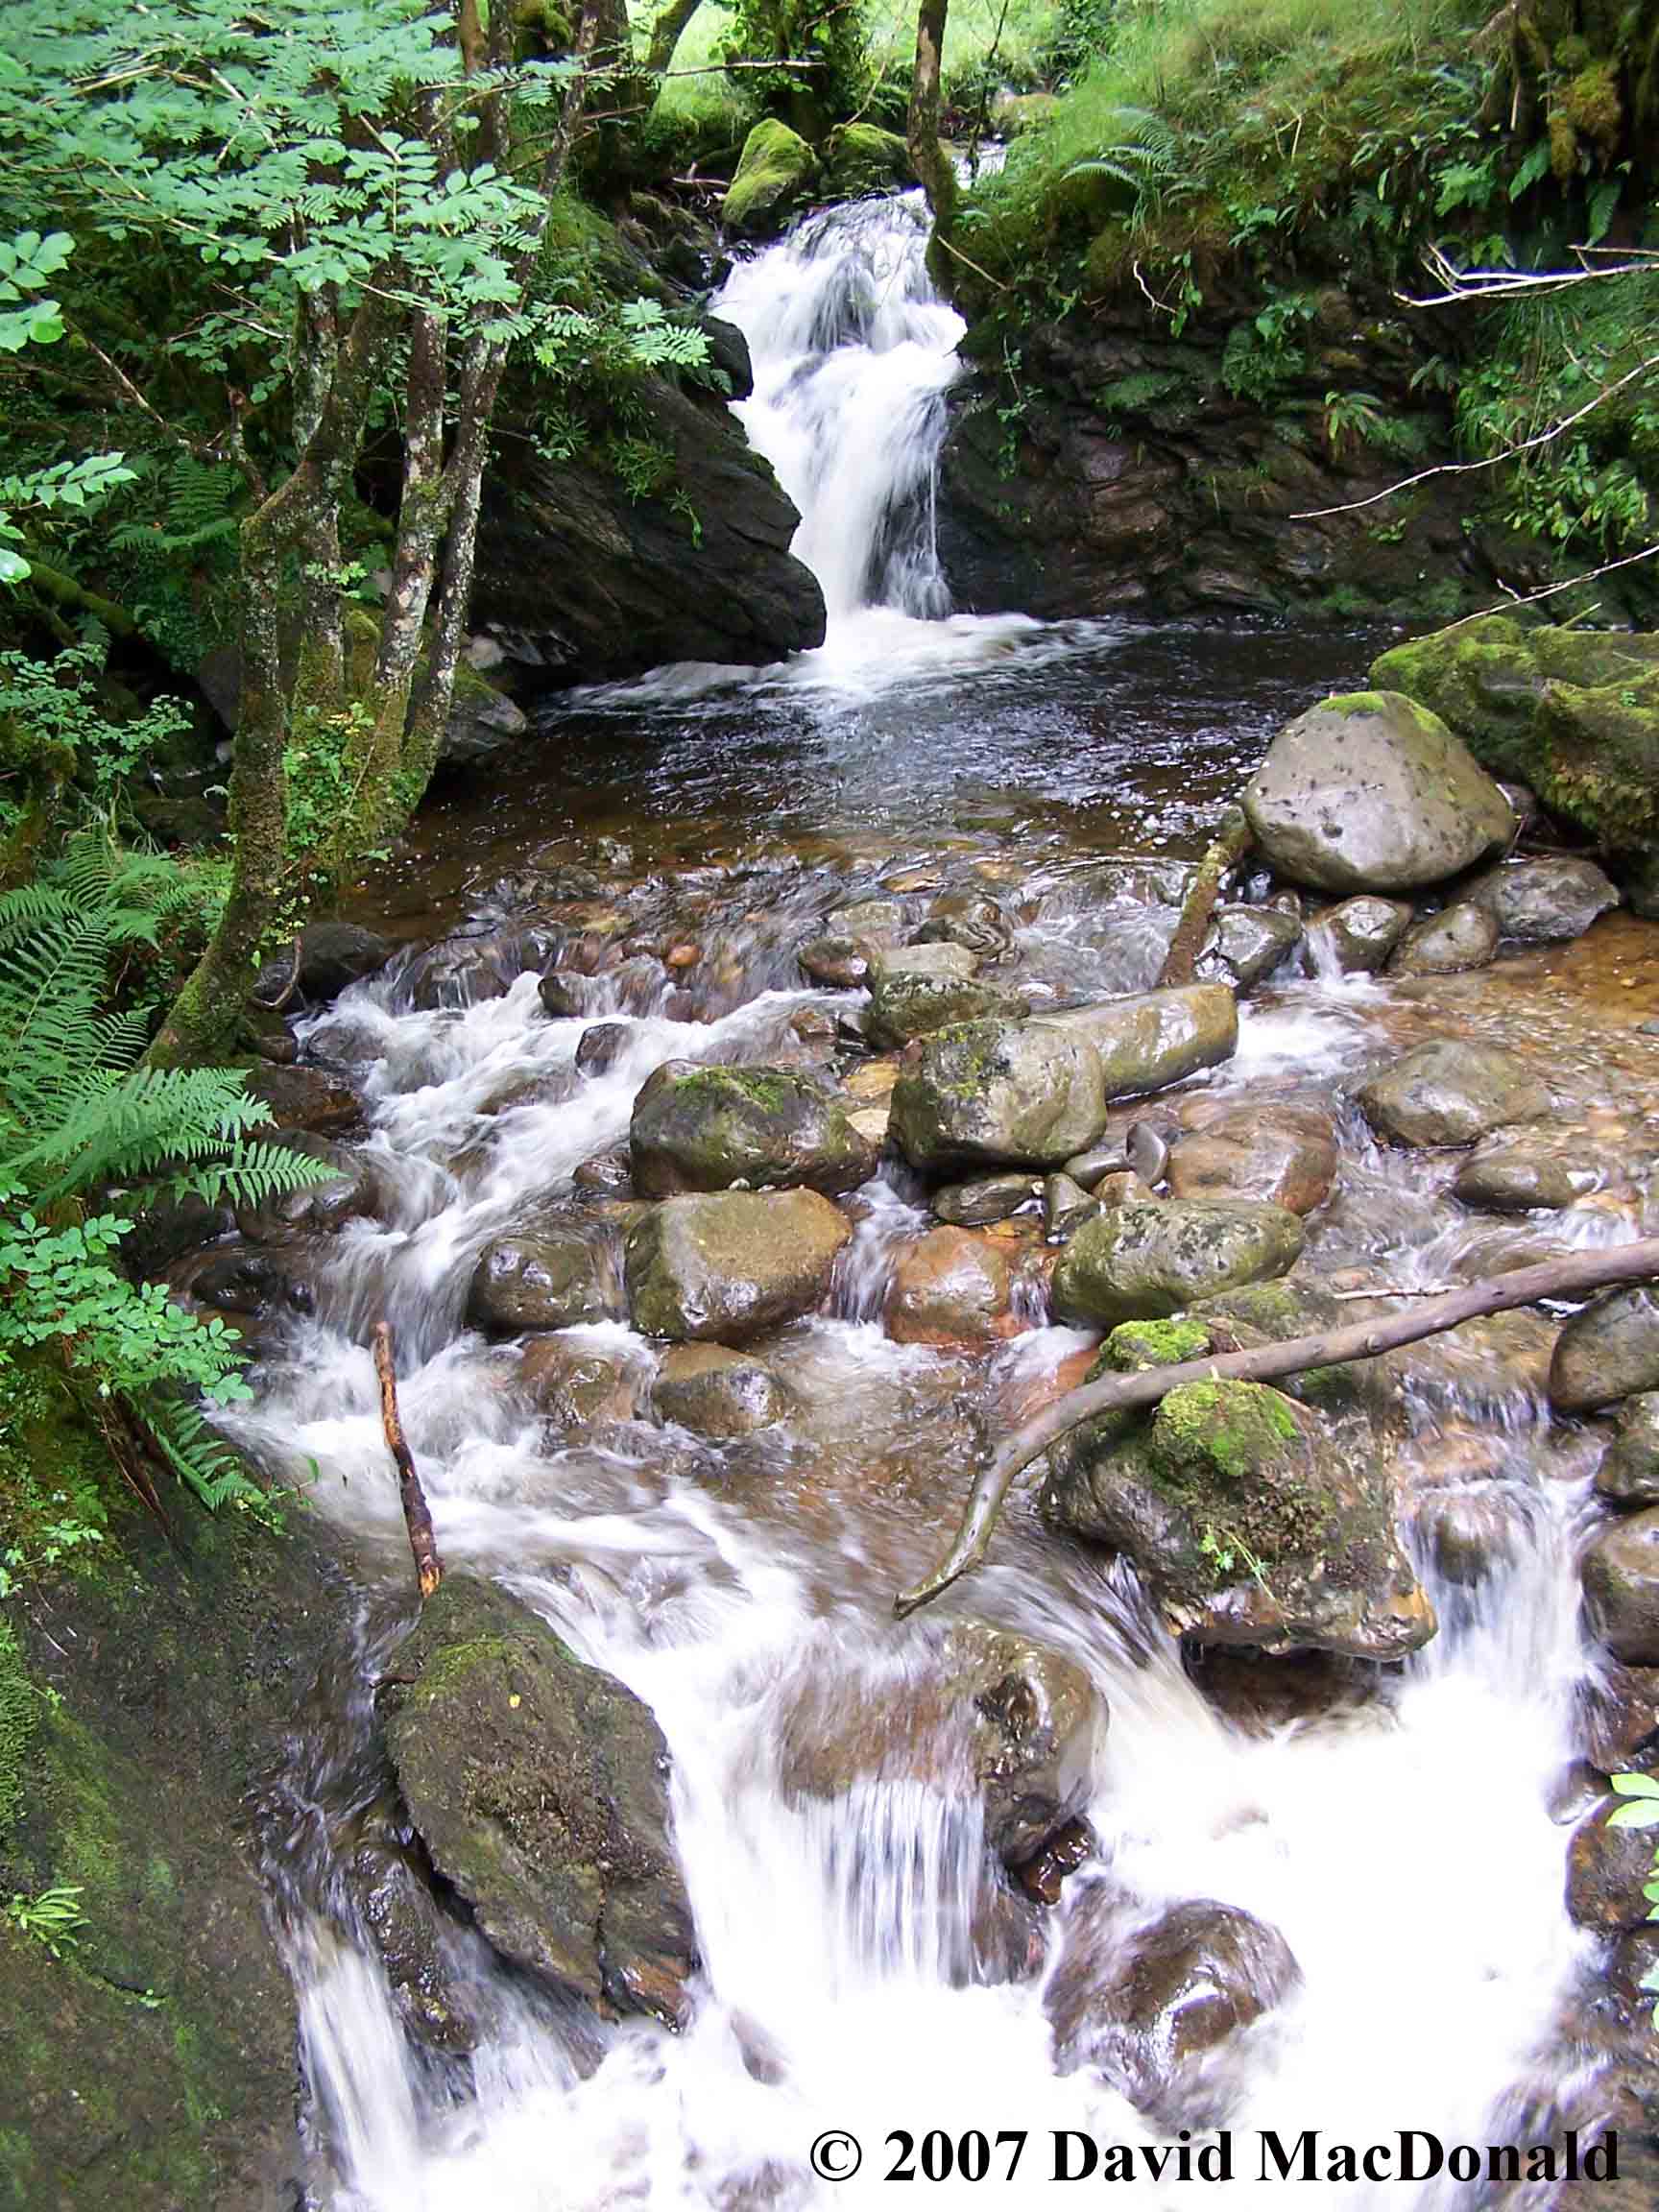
(18, 1716)
(1641, 1810)
(55, 710)
(52, 1917)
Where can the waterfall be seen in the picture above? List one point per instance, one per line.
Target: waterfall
(852, 353)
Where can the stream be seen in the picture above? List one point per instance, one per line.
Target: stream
(1401, 1827)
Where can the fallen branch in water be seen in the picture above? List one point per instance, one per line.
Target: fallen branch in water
(1232, 843)
(423, 1543)
(1570, 1277)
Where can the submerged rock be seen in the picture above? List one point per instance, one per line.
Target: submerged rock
(1150, 2005)
(837, 963)
(1450, 1092)
(1247, 1521)
(1371, 792)
(989, 1092)
(547, 1278)
(727, 1267)
(1142, 1261)
(1283, 1154)
(538, 1787)
(1357, 936)
(1607, 1352)
(717, 1393)
(702, 1128)
(923, 988)
(1523, 1171)
(971, 918)
(1450, 943)
(1620, 1576)
(1157, 1038)
(1544, 902)
(950, 1287)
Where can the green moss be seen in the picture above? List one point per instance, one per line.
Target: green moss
(776, 169)
(1135, 1344)
(19, 1713)
(862, 157)
(1236, 1428)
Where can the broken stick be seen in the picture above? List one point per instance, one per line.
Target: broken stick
(423, 1543)
(1232, 843)
(1571, 1276)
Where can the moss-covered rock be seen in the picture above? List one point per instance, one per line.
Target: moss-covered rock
(700, 1128)
(985, 1093)
(1574, 714)
(726, 1267)
(539, 1785)
(1145, 1262)
(775, 171)
(918, 989)
(1247, 1521)
(861, 157)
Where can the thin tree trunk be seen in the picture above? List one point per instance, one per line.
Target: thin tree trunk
(665, 33)
(417, 1517)
(928, 155)
(1571, 1277)
(1217, 864)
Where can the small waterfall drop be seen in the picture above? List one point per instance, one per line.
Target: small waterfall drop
(852, 353)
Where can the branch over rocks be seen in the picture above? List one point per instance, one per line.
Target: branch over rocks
(417, 1519)
(1231, 844)
(1572, 1276)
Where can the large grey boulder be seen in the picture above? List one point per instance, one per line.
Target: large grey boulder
(993, 1094)
(1451, 1093)
(1247, 1520)
(728, 1267)
(538, 1787)
(1143, 1262)
(1371, 792)
(1156, 1038)
(699, 1128)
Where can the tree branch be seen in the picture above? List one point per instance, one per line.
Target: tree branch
(1571, 1276)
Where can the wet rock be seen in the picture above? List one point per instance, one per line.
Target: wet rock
(358, 1186)
(1158, 1038)
(563, 998)
(538, 1787)
(484, 723)
(580, 1384)
(1471, 1533)
(1607, 1352)
(1450, 943)
(1544, 902)
(601, 1044)
(465, 973)
(416, 1944)
(1621, 1577)
(545, 1278)
(717, 1393)
(305, 1098)
(837, 963)
(1357, 936)
(332, 955)
(1140, 1261)
(1273, 1312)
(700, 1128)
(995, 1713)
(1248, 943)
(984, 1092)
(1281, 1155)
(774, 173)
(1247, 1521)
(1629, 1472)
(260, 1285)
(969, 919)
(727, 1267)
(1371, 792)
(1148, 2004)
(1607, 1868)
(1618, 1712)
(168, 1228)
(950, 1287)
(992, 1198)
(1066, 1207)
(1451, 1093)
(925, 987)
(603, 1171)
(874, 924)
(1524, 1170)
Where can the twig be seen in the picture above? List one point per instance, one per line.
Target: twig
(423, 1543)
(1570, 1277)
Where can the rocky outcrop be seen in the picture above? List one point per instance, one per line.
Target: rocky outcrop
(577, 581)
(1247, 1520)
(538, 1787)
(727, 1267)
(1373, 792)
(701, 1128)
(1144, 1262)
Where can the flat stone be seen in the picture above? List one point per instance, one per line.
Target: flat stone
(1451, 1093)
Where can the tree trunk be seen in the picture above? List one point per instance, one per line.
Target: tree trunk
(665, 33)
(1217, 864)
(928, 155)
(1572, 1276)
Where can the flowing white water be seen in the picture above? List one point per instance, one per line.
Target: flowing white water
(1403, 1848)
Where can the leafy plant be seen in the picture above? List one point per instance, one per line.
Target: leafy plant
(52, 1917)
(1641, 1810)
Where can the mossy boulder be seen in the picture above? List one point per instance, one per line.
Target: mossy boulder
(1000, 1093)
(726, 1267)
(545, 1277)
(775, 172)
(1574, 714)
(1372, 791)
(539, 1785)
(861, 157)
(918, 989)
(699, 1128)
(1246, 1521)
(1145, 1262)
